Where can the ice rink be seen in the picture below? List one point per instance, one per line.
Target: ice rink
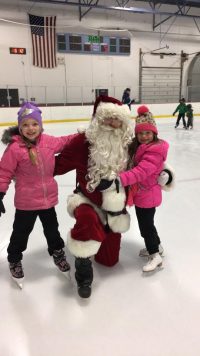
(129, 313)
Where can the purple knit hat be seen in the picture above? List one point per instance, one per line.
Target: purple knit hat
(29, 110)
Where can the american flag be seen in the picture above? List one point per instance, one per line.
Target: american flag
(43, 32)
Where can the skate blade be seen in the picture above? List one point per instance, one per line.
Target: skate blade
(19, 282)
(67, 275)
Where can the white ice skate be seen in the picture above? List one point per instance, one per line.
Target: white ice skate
(154, 261)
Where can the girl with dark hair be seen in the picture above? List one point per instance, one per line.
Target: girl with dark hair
(148, 154)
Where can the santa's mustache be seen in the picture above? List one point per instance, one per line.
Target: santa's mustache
(108, 128)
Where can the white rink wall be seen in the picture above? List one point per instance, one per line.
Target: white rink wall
(52, 114)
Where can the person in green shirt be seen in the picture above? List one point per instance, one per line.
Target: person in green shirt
(181, 109)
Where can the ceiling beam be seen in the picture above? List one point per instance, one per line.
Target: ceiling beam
(131, 9)
(191, 3)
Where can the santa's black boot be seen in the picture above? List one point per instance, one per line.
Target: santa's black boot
(84, 276)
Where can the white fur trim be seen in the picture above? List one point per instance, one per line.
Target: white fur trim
(113, 201)
(119, 223)
(75, 200)
(82, 249)
(105, 110)
(169, 187)
(81, 129)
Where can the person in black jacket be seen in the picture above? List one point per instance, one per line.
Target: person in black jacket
(189, 115)
(126, 97)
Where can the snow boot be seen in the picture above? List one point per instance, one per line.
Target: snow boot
(84, 276)
(155, 260)
(17, 273)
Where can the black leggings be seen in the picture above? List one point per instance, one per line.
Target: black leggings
(22, 227)
(145, 217)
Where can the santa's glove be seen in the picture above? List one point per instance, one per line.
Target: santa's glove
(2, 209)
(106, 184)
(165, 177)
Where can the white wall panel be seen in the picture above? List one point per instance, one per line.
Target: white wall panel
(85, 71)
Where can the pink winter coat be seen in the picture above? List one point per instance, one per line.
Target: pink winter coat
(35, 186)
(148, 163)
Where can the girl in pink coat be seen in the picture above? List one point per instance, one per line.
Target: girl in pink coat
(149, 154)
(29, 160)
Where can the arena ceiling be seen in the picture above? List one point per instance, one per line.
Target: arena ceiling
(168, 9)
(121, 4)
(177, 8)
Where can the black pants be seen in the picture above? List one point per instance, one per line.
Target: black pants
(22, 227)
(190, 122)
(179, 118)
(145, 217)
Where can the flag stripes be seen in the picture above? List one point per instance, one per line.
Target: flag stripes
(43, 32)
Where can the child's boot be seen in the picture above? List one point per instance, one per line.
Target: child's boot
(84, 276)
(155, 260)
(60, 261)
(17, 273)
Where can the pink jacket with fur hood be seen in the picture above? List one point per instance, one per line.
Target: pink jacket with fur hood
(35, 186)
(148, 163)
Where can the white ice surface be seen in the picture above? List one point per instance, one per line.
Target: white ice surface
(129, 313)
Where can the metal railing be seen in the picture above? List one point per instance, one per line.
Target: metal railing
(14, 95)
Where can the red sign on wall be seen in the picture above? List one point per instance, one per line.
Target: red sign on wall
(17, 50)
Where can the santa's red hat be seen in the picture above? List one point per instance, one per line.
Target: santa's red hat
(108, 107)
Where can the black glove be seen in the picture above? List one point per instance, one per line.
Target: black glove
(105, 184)
(170, 176)
(2, 209)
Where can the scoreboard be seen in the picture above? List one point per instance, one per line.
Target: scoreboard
(93, 44)
(17, 50)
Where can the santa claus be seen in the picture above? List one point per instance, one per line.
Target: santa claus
(101, 152)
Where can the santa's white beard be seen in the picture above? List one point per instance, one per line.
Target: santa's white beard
(108, 153)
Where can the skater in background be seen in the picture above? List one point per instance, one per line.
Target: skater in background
(181, 109)
(126, 98)
(189, 115)
(29, 160)
(148, 154)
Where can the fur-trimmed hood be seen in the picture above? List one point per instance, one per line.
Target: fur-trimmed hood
(9, 133)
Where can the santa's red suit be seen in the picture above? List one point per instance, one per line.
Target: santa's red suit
(100, 152)
(95, 232)
(98, 155)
